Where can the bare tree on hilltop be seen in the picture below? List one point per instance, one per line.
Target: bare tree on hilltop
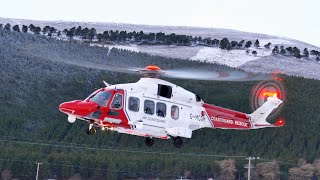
(267, 171)
(227, 169)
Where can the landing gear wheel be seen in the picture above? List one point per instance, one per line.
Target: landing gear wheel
(178, 142)
(149, 141)
(91, 131)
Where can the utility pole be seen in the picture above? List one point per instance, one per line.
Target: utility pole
(38, 166)
(249, 165)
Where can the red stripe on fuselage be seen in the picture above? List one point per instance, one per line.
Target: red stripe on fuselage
(226, 118)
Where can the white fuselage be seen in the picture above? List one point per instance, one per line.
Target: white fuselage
(190, 115)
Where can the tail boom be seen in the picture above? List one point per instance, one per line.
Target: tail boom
(228, 119)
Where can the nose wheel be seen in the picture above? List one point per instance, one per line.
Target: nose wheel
(91, 130)
(149, 141)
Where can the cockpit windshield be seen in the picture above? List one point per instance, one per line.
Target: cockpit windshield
(102, 98)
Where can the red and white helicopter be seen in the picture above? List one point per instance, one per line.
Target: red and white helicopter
(155, 108)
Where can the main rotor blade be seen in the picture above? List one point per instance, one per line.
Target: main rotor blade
(215, 75)
(198, 74)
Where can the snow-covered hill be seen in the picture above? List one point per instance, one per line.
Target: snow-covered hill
(264, 61)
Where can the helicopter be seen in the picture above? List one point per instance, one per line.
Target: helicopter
(155, 108)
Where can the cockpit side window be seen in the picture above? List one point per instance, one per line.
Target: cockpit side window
(116, 102)
(102, 98)
(149, 107)
(134, 104)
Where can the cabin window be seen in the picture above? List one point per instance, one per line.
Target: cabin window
(161, 109)
(134, 104)
(174, 112)
(164, 91)
(149, 107)
(117, 101)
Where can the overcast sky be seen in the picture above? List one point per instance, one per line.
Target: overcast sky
(289, 18)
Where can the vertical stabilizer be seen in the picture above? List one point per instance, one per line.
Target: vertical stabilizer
(259, 117)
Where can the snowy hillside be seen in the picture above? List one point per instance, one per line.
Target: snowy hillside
(263, 61)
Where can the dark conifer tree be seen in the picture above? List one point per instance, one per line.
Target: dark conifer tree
(275, 50)
(16, 28)
(171, 39)
(46, 29)
(65, 31)
(257, 43)
(254, 53)
(78, 31)
(160, 37)
(24, 29)
(296, 52)
(290, 50)
(225, 44)
(52, 30)
(206, 41)
(32, 27)
(71, 32)
(37, 30)
(91, 34)
(306, 53)
(99, 37)
(282, 50)
(85, 32)
(7, 27)
(105, 35)
(216, 42)
(248, 44)
(234, 44)
(267, 46)
(200, 39)
(122, 36)
(314, 52)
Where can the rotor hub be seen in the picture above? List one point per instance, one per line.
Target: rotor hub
(151, 71)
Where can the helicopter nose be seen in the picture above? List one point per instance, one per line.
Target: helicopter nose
(68, 107)
(78, 107)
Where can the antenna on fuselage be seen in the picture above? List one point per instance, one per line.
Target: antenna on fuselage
(106, 84)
